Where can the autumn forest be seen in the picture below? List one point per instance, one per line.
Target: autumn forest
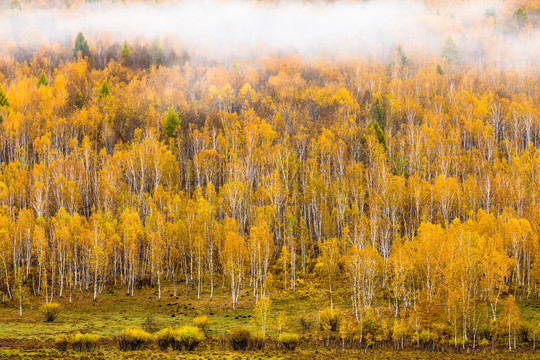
(398, 198)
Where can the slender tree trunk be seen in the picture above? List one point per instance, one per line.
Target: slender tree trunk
(159, 285)
(20, 300)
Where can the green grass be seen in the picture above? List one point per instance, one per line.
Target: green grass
(30, 337)
(111, 313)
(529, 308)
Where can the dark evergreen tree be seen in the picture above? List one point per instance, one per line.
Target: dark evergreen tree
(374, 128)
(126, 52)
(403, 57)
(42, 80)
(4, 105)
(378, 113)
(81, 45)
(104, 91)
(450, 51)
(171, 123)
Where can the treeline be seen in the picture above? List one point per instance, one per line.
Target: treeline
(415, 183)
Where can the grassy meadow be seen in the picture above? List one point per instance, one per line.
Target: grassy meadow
(31, 337)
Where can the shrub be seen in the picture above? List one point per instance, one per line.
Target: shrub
(330, 319)
(78, 341)
(425, 336)
(202, 323)
(289, 340)
(524, 333)
(50, 311)
(239, 339)
(189, 337)
(62, 341)
(84, 342)
(133, 339)
(257, 341)
(165, 338)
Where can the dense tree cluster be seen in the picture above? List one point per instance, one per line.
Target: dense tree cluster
(413, 183)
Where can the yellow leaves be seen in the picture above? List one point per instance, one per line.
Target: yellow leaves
(4, 192)
(131, 227)
(267, 133)
(249, 159)
(247, 96)
(59, 89)
(318, 96)
(400, 329)
(260, 247)
(326, 141)
(43, 146)
(5, 237)
(430, 235)
(260, 236)
(223, 98)
(343, 98)
(329, 253)
(518, 229)
(286, 88)
(263, 305)
(365, 259)
(511, 312)
(234, 253)
(446, 192)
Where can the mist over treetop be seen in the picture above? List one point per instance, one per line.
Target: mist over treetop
(495, 33)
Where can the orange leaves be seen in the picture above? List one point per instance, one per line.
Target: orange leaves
(415, 184)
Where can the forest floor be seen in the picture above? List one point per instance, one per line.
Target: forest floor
(271, 355)
(30, 337)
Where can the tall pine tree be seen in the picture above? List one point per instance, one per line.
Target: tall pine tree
(81, 45)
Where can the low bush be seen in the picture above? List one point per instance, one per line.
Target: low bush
(134, 339)
(330, 319)
(202, 323)
(289, 340)
(257, 341)
(239, 339)
(77, 341)
(50, 311)
(524, 333)
(189, 337)
(62, 341)
(84, 342)
(166, 338)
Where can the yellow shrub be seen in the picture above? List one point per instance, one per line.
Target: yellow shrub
(202, 323)
(330, 319)
(166, 337)
(78, 341)
(289, 340)
(189, 337)
(84, 342)
(134, 339)
(50, 311)
(62, 341)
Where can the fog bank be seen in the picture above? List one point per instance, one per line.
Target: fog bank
(244, 29)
